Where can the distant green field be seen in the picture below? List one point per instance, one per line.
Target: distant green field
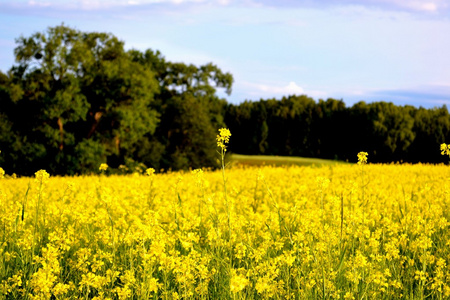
(257, 160)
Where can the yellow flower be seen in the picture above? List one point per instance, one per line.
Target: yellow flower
(103, 167)
(240, 250)
(223, 138)
(238, 283)
(2, 173)
(153, 285)
(445, 149)
(42, 176)
(150, 171)
(348, 296)
(362, 158)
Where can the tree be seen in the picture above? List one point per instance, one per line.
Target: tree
(332, 128)
(393, 127)
(190, 111)
(432, 128)
(81, 91)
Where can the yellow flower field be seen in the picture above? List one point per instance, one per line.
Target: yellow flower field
(347, 231)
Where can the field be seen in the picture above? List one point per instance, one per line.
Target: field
(270, 160)
(342, 231)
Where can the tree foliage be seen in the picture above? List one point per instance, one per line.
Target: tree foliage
(300, 126)
(76, 99)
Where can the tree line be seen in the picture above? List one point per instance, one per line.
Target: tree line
(300, 126)
(76, 99)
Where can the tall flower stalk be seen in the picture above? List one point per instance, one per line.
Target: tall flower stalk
(41, 179)
(362, 160)
(223, 138)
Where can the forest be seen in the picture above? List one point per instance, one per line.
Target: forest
(76, 99)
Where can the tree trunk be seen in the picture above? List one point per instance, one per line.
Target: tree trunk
(61, 134)
(97, 117)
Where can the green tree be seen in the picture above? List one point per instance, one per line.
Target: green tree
(394, 127)
(431, 127)
(331, 126)
(190, 112)
(77, 87)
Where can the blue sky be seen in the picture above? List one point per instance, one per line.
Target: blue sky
(372, 50)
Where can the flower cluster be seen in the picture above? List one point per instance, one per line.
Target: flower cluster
(362, 158)
(238, 283)
(223, 138)
(41, 176)
(150, 172)
(445, 149)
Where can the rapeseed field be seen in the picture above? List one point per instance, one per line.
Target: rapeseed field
(346, 231)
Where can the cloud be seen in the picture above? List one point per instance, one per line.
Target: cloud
(290, 89)
(427, 96)
(105, 4)
(104, 9)
(432, 95)
(433, 7)
(39, 3)
(115, 8)
(254, 91)
(416, 5)
(422, 6)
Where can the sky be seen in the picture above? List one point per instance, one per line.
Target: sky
(369, 50)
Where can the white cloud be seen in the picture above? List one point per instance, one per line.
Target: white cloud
(426, 95)
(99, 4)
(39, 3)
(185, 1)
(290, 89)
(435, 7)
(425, 6)
(265, 91)
(244, 90)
